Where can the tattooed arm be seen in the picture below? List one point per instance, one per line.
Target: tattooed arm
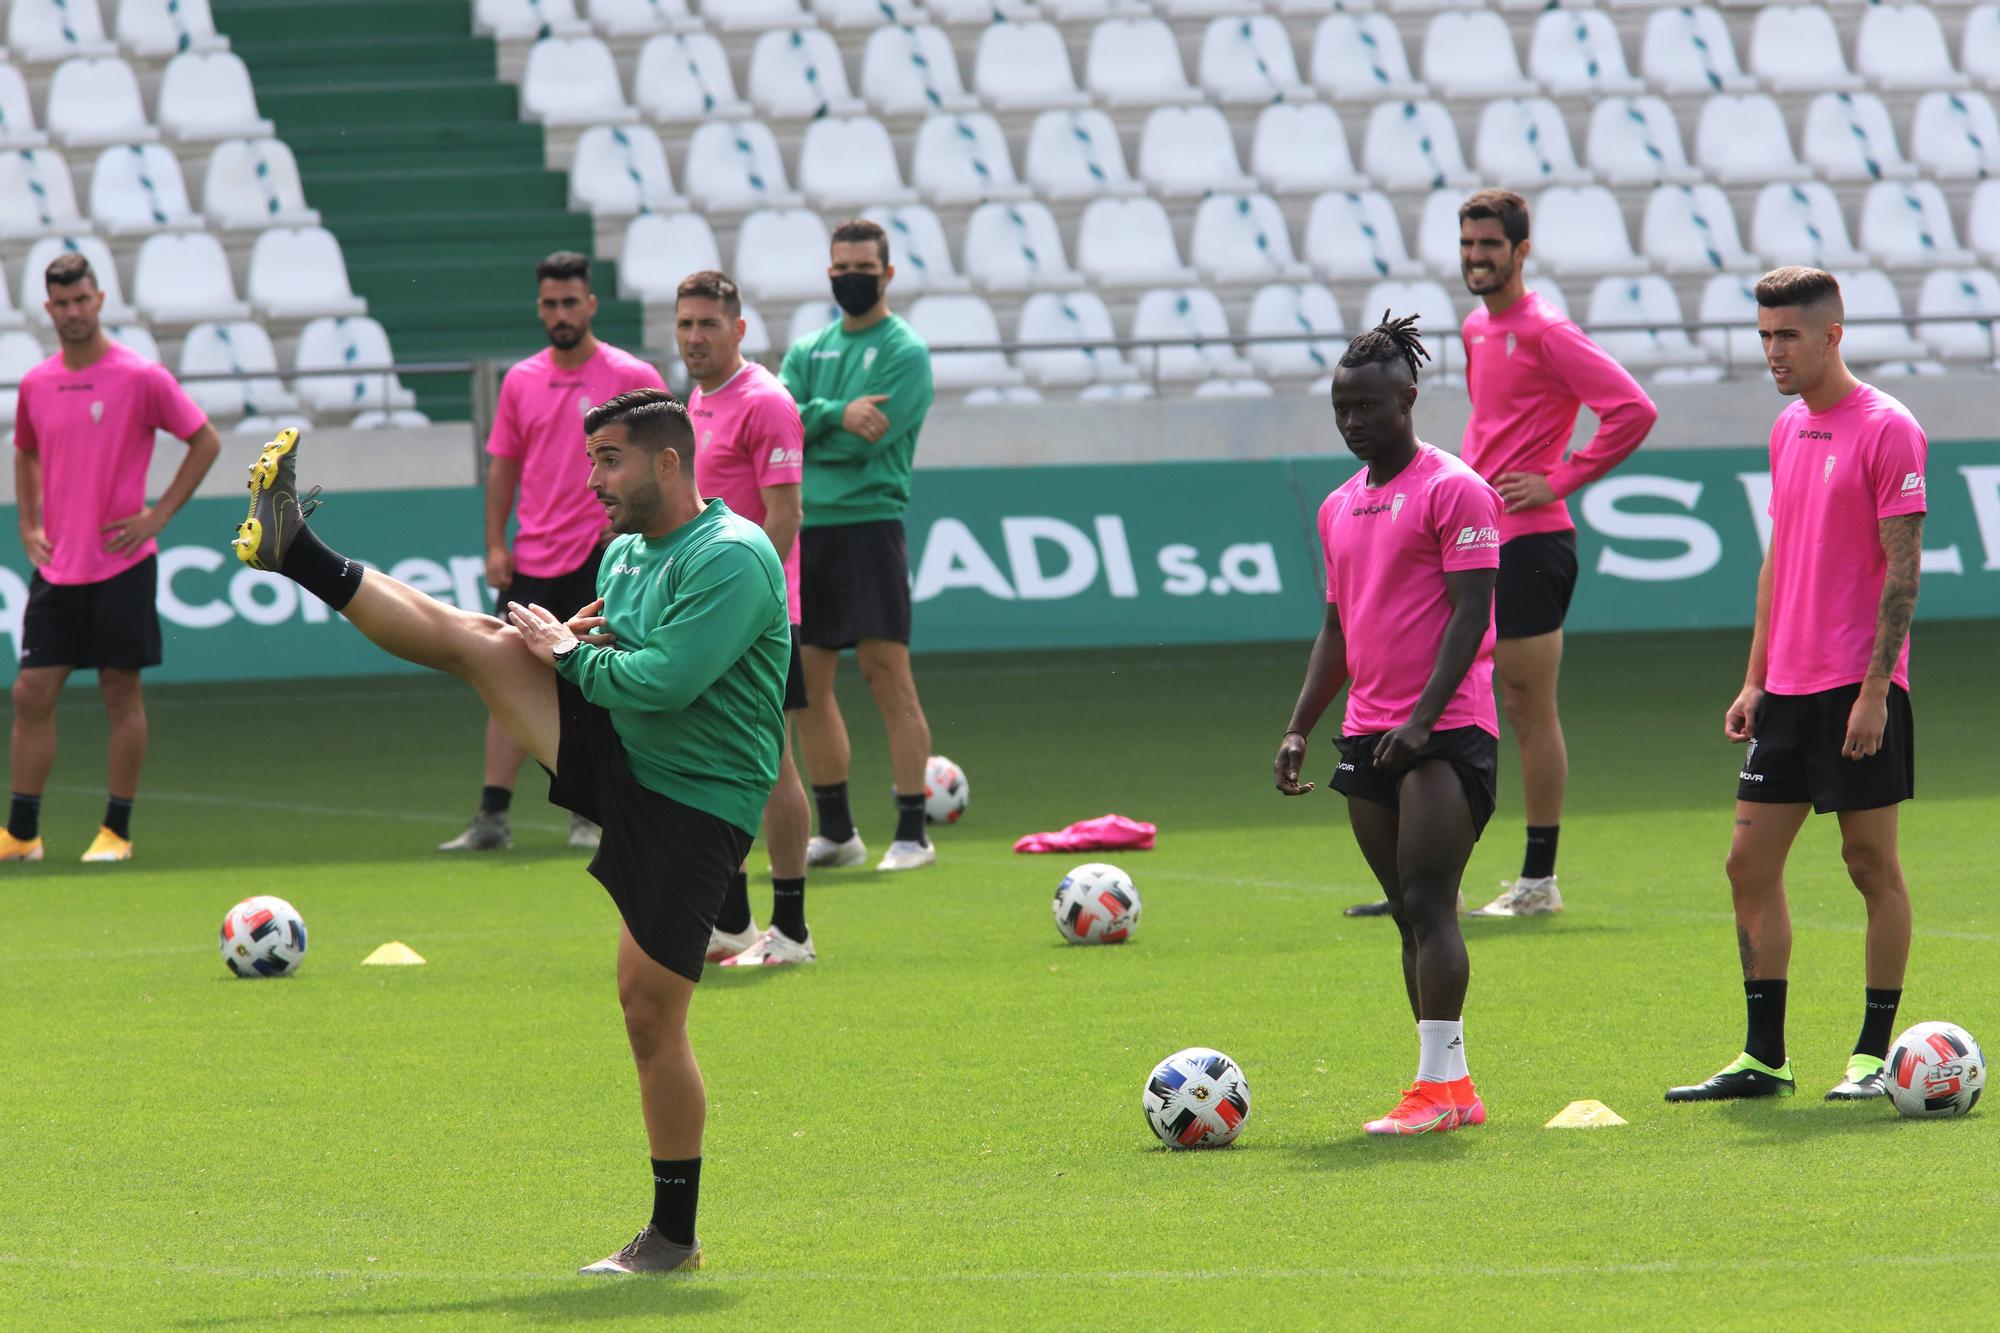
(1902, 539)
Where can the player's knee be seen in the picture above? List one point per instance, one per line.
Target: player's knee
(1873, 870)
(1426, 907)
(121, 691)
(33, 701)
(649, 1023)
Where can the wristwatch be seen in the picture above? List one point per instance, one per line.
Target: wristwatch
(565, 648)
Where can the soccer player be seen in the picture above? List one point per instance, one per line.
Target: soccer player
(749, 453)
(1528, 369)
(83, 439)
(863, 384)
(659, 713)
(1412, 543)
(536, 448)
(1825, 704)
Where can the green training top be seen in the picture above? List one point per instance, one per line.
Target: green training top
(696, 683)
(849, 480)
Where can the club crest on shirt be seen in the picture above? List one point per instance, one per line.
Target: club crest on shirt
(1396, 506)
(96, 410)
(868, 357)
(1510, 344)
(583, 404)
(1827, 474)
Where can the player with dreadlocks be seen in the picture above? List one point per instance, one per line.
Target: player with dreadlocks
(1412, 546)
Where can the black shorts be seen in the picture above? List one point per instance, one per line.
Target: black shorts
(1473, 755)
(795, 678)
(854, 584)
(1537, 579)
(559, 594)
(115, 623)
(1794, 754)
(665, 864)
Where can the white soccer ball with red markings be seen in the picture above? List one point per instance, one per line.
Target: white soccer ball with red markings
(1935, 1071)
(1096, 904)
(263, 937)
(1196, 1098)
(945, 791)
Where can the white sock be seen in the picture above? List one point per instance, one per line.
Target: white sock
(1440, 1051)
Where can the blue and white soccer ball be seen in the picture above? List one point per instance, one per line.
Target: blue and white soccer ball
(1196, 1098)
(263, 937)
(946, 791)
(1096, 904)
(1935, 1071)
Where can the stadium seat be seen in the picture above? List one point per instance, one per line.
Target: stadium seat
(45, 31)
(1581, 230)
(641, 18)
(1003, 395)
(1249, 60)
(1243, 238)
(662, 248)
(1902, 46)
(254, 183)
(1024, 67)
(299, 273)
(1956, 136)
(400, 418)
(1795, 48)
(1576, 52)
(1129, 243)
(135, 337)
(685, 76)
(1979, 49)
(1355, 235)
(1016, 247)
(1302, 308)
(756, 338)
(1072, 317)
(338, 365)
(95, 101)
(137, 188)
(1551, 291)
(1646, 300)
(1801, 223)
(845, 162)
(1300, 148)
(751, 15)
(1470, 53)
(34, 290)
(1870, 295)
(1907, 224)
(263, 428)
(1437, 235)
(1908, 369)
(1089, 11)
(37, 197)
(157, 29)
(183, 278)
(241, 349)
(1189, 150)
(1982, 223)
(10, 318)
(1849, 136)
(1524, 143)
(1232, 388)
(206, 95)
(1361, 56)
(982, 11)
(1200, 9)
(1692, 229)
(946, 320)
(19, 354)
(1636, 141)
(1077, 155)
(1116, 393)
(526, 20)
(912, 71)
(797, 73)
(963, 160)
(1190, 313)
(1414, 146)
(781, 255)
(1743, 140)
(867, 13)
(918, 249)
(619, 170)
(733, 165)
(1729, 304)
(17, 113)
(1687, 50)
(1972, 293)
(1136, 62)
(573, 81)
(811, 318)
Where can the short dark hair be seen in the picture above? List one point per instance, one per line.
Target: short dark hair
(861, 229)
(653, 419)
(564, 265)
(67, 268)
(1510, 208)
(1800, 286)
(708, 285)
(1391, 340)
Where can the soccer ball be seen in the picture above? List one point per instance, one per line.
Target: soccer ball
(1096, 904)
(263, 937)
(1935, 1070)
(1196, 1099)
(945, 791)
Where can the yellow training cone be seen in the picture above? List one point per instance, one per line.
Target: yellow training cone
(1588, 1114)
(397, 954)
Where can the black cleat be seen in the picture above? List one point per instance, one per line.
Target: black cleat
(1746, 1077)
(277, 511)
(1866, 1080)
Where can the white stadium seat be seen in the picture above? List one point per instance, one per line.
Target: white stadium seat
(1073, 317)
(1243, 238)
(573, 81)
(1902, 46)
(1199, 9)
(1249, 60)
(206, 95)
(641, 18)
(1551, 291)
(845, 162)
(1870, 295)
(1355, 234)
(1189, 150)
(1470, 53)
(344, 350)
(1436, 319)
(781, 255)
(1796, 48)
(1979, 49)
(1016, 247)
(1729, 301)
(619, 170)
(1687, 49)
(1648, 300)
(10, 318)
(1437, 234)
(254, 183)
(1636, 141)
(1079, 11)
(1232, 388)
(1692, 229)
(1116, 393)
(1003, 395)
(93, 102)
(526, 20)
(796, 73)
(183, 278)
(19, 354)
(685, 76)
(34, 290)
(945, 320)
(1302, 308)
(1136, 62)
(811, 318)
(37, 196)
(243, 350)
(963, 160)
(1800, 222)
(1524, 143)
(1129, 243)
(867, 13)
(733, 165)
(1849, 136)
(1414, 146)
(756, 337)
(1189, 313)
(299, 273)
(1982, 222)
(1576, 52)
(1582, 230)
(159, 28)
(1956, 136)
(1907, 224)
(750, 15)
(376, 418)
(918, 249)
(981, 11)
(912, 70)
(260, 427)
(1024, 67)
(1077, 155)
(1743, 140)
(662, 248)
(17, 113)
(137, 188)
(45, 31)
(1971, 292)
(1300, 148)
(1361, 56)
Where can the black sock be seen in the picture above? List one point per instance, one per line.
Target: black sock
(24, 817)
(788, 906)
(1766, 1039)
(1540, 862)
(676, 1190)
(118, 816)
(910, 818)
(835, 820)
(1876, 1021)
(321, 571)
(733, 917)
(495, 800)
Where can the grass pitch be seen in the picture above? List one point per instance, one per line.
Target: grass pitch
(938, 1125)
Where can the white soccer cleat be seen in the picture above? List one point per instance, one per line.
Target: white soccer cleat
(823, 852)
(584, 834)
(1525, 897)
(908, 856)
(726, 944)
(775, 949)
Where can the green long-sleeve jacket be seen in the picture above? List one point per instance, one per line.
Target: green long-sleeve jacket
(847, 479)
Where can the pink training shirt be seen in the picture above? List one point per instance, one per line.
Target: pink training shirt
(1528, 370)
(540, 422)
(94, 429)
(1388, 549)
(1834, 476)
(747, 435)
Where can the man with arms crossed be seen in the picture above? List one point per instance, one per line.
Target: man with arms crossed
(1825, 705)
(83, 439)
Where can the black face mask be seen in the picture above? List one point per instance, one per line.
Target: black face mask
(857, 293)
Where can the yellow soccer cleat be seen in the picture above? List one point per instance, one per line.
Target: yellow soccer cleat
(277, 511)
(106, 846)
(17, 849)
